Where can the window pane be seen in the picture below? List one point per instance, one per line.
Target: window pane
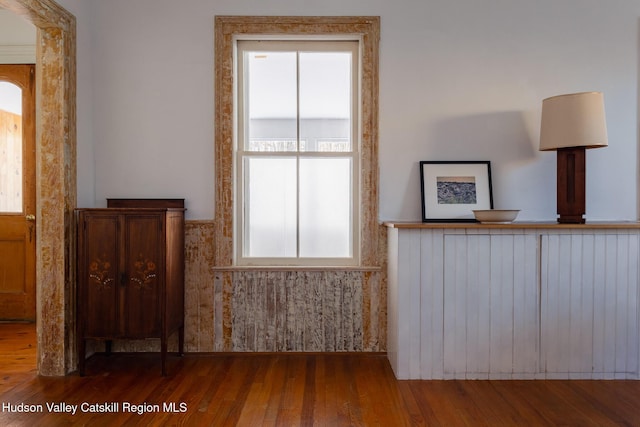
(325, 99)
(272, 98)
(10, 148)
(325, 207)
(296, 103)
(270, 198)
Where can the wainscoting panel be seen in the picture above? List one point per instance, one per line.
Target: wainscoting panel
(297, 311)
(199, 287)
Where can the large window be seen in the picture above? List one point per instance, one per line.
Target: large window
(297, 152)
(296, 142)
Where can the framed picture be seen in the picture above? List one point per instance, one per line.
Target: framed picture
(452, 190)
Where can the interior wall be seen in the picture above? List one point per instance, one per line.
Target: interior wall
(15, 30)
(17, 39)
(460, 80)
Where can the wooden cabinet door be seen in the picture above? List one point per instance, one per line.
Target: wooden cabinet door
(144, 269)
(99, 278)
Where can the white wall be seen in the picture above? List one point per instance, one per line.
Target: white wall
(17, 46)
(459, 80)
(466, 79)
(15, 30)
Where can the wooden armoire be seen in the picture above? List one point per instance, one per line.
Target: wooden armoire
(130, 273)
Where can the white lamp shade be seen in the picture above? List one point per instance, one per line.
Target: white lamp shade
(573, 120)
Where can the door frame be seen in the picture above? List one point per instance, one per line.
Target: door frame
(55, 181)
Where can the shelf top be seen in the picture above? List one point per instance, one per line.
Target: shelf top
(516, 225)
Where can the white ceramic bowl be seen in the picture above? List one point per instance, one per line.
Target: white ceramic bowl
(496, 216)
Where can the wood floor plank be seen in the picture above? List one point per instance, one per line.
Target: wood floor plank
(565, 409)
(327, 383)
(292, 395)
(254, 413)
(527, 397)
(608, 402)
(309, 393)
(502, 409)
(334, 389)
(444, 405)
(17, 353)
(272, 390)
(382, 388)
(341, 392)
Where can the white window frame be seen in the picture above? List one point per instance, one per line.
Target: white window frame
(255, 43)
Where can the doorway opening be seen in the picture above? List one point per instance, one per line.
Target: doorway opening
(55, 180)
(17, 193)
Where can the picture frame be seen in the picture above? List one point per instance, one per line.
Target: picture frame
(451, 190)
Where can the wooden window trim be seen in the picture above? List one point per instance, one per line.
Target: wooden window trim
(227, 28)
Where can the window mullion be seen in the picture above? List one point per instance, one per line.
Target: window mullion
(298, 154)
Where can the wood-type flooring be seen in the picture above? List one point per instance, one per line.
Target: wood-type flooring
(287, 390)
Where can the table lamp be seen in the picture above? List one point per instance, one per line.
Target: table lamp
(570, 124)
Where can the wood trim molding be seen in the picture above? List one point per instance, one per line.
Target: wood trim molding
(55, 180)
(372, 315)
(228, 27)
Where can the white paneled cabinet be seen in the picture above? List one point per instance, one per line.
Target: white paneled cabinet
(513, 301)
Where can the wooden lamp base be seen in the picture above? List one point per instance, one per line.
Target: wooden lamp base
(571, 185)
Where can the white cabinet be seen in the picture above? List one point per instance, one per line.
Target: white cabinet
(512, 301)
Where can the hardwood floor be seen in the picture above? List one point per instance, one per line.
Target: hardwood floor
(17, 355)
(289, 390)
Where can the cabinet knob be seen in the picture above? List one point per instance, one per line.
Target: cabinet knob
(30, 217)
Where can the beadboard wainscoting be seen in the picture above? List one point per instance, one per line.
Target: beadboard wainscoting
(517, 301)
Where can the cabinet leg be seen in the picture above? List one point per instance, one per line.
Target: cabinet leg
(81, 356)
(163, 356)
(107, 347)
(181, 341)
